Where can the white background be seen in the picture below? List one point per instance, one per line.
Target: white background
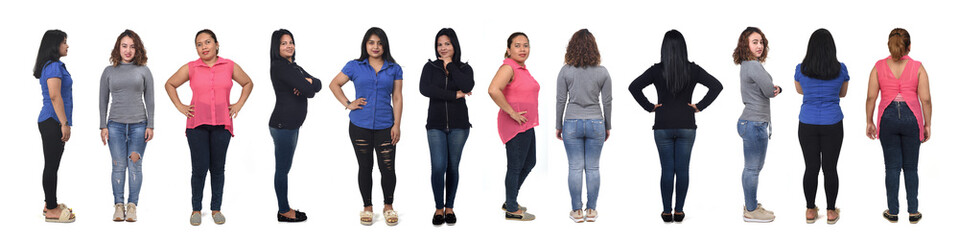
(322, 181)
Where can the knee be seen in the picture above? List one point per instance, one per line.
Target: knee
(134, 156)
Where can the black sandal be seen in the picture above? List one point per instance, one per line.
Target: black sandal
(450, 218)
(915, 219)
(678, 217)
(891, 218)
(667, 217)
(438, 219)
(300, 216)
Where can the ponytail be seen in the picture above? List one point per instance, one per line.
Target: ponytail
(899, 42)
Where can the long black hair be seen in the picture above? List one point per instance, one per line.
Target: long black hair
(453, 40)
(275, 44)
(675, 61)
(49, 50)
(383, 40)
(820, 61)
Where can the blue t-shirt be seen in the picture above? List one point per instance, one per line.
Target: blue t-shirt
(820, 102)
(377, 88)
(56, 70)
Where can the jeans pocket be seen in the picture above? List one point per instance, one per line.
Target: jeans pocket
(741, 127)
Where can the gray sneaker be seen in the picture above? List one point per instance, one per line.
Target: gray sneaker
(218, 218)
(759, 215)
(118, 212)
(131, 212)
(525, 216)
(195, 219)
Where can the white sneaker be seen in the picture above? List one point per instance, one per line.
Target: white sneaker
(576, 215)
(118, 212)
(759, 215)
(131, 212)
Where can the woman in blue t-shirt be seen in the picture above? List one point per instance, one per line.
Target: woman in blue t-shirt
(374, 122)
(55, 118)
(822, 80)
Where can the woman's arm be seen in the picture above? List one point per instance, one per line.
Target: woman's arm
(636, 89)
(871, 94)
(288, 74)
(104, 104)
(462, 76)
(844, 89)
(336, 87)
(53, 87)
(798, 87)
(926, 99)
(714, 87)
(148, 100)
(430, 90)
(503, 77)
(397, 110)
(179, 78)
(244, 80)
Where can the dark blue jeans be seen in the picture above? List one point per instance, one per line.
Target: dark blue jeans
(446, 148)
(899, 135)
(284, 145)
(520, 160)
(208, 146)
(675, 147)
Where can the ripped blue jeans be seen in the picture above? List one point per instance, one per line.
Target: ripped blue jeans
(127, 142)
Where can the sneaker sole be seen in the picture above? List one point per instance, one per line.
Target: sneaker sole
(590, 219)
(519, 219)
(131, 220)
(745, 219)
(117, 219)
(576, 220)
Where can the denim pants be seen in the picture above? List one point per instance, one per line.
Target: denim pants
(365, 141)
(755, 140)
(675, 147)
(50, 135)
(584, 140)
(899, 135)
(125, 140)
(446, 148)
(284, 145)
(520, 160)
(208, 145)
(821, 145)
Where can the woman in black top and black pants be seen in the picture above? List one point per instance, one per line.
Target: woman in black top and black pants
(675, 127)
(446, 81)
(292, 86)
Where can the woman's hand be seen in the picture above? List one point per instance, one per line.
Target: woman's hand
(607, 135)
(395, 134)
(777, 91)
(356, 104)
(694, 106)
(461, 94)
(186, 110)
(65, 130)
(928, 132)
(871, 131)
(148, 135)
(559, 134)
(235, 109)
(518, 117)
(104, 135)
(655, 107)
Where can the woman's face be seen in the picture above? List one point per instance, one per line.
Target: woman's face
(64, 47)
(756, 44)
(127, 49)
(519, 50)
(206, 47)
(286, 47)
(445, 47)
(374, 47)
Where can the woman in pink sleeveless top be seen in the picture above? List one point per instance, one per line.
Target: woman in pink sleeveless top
(516, 92)
(905, 113)
(209, 123)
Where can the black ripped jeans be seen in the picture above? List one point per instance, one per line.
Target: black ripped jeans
(365, 142)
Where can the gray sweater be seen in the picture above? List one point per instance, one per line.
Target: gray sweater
(757, 88)
(582, 88)
(131, 88)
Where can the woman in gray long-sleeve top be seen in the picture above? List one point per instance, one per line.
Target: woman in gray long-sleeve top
(129, 125)
(585, 127)
(754, 124)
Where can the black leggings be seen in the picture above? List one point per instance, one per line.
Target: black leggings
(365, 141)
(50, 134)
(820, 147)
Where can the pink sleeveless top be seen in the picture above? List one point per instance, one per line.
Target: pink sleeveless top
(523, 95)
(211, 93)
(906, 85)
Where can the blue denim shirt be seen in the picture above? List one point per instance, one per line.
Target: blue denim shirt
(56, 70)
(820, 102)
(377, 88)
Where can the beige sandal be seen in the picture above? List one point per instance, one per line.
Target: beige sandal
(66, 215)
(813, 220)
(366, 218)
(834, 220)
(391, 217)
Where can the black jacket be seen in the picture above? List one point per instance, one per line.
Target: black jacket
(446, 111)
(675, 112)
(290, 109)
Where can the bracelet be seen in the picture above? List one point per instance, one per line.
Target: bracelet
(347, 105)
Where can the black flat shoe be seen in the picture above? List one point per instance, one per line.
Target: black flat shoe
(891, 218)
(300, 216)
(451, 218)
(678, 217)
(667, 218)
(915, 219)
(438, 219)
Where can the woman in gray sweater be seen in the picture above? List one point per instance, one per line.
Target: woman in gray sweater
(585, 128)
(754, 126)
(129, 125)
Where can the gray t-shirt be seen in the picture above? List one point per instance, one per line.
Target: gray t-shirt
(582, 86)
(131, 89)
(757, 88)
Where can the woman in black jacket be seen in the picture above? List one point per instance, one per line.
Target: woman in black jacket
(292, 86)
(446, 81)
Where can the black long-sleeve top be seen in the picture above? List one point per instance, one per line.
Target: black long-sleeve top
(445, 110)
(675, 112)
(290, 109)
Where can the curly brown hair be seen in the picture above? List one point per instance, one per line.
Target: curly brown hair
(582, 50)
(139, 58)
(742, 52)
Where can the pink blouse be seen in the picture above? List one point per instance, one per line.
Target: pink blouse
(211, 93)
(523, 95)
(906, 85)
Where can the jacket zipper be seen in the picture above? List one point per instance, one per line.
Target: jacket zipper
(447, 103)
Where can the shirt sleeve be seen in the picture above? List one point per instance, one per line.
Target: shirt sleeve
(53, 70)
(462, 76)
(289, 74)
(755, 72)
(714, 88)
(148, 97)
(843, 72)
(607, 92)
(348, 69)
(104, 96)
(562, 94)
(636, 89)
(398, 73)
(430, 90)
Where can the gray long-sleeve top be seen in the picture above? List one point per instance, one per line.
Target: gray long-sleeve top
(757, 88)
(131, 89)
(577, 92)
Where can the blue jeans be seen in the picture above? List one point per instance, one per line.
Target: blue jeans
(520, 160)
(284, 145)
(675, 146)
(125, 140)
(208, 146)
(899, 135)
(584, 140)
(446, 147)
(755, 140)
